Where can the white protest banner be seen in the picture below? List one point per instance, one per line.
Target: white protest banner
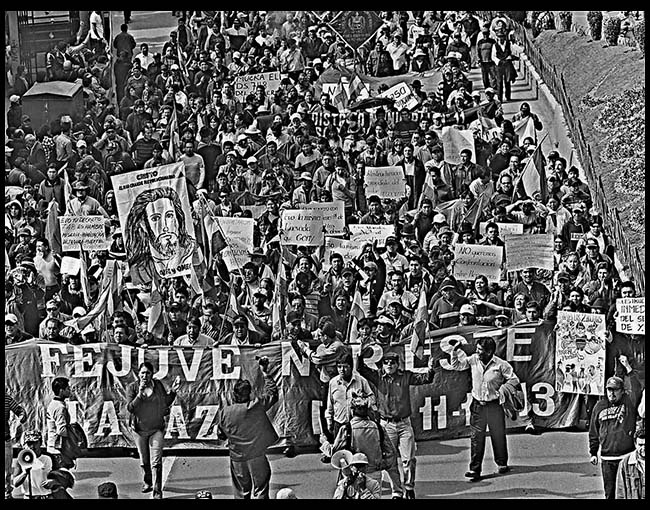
(363, 234)
(472, 260)
(402, 95)
(531, 250)
(256, 210)
(505, 229)
(631, 315)
(333, 216)
(70, 265)
(88, 232)
(455, 140)
(156, 219)
(246, 83)
(238, 233)
(347, 249)
(385, 182)
(302, 227)
(580, 353)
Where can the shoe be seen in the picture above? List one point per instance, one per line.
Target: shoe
(397, 497)
(146, 487)
(410, 494)
(325, 459)
(289, 452)
(530, 429)
(504, 469)
(473, 475)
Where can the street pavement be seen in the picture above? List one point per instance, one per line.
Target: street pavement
(554, 465)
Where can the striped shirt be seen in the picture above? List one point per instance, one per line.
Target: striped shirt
(11, 406)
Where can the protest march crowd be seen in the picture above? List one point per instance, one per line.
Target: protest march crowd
(262, 181)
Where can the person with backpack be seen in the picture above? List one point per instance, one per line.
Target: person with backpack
(148, 402)
(394, 402)
(58, 421)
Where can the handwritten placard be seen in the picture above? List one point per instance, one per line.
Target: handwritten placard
(402, 95)
(246, 84)
(505, 229)
(238, 233)
(630, 317)
(347, 249)
(364, 234)
(455, 140)
(333, 216)
(472, 260)
(70, 265)
(88, 232)
(385, 182)
(302, 227)
(526, 251)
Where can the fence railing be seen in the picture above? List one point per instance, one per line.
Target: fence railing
(612, 221)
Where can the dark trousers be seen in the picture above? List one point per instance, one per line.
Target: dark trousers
(609, 469)
(489, 74)
(251, 479)
(321, 415)
(503, 81)
(489, 416)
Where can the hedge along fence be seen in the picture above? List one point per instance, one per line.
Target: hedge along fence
(614, 227)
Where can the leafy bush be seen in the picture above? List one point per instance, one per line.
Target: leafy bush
(639, 34)
(595, 19)
(612, 28)
(566, 18)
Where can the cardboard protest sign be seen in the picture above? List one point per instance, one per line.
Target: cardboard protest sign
(385, 182)
(70, 265)
(88, 232)
(580, 353)
(534, 250)
(455, 140)
(472, 260)
(302, 227)
(347, 249)
(505, 229)
(156, 218)
(363, 234)
(333, 216)
(238, 233)
(245, 84)
(403, 96)
(631, 315)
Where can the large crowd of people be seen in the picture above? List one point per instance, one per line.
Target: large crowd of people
(276, 150)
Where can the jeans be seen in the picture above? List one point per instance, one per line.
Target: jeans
(609, 469)
(8, 465)
(503, 82)
(150, 446)
(489, 74)
(403, 439)
(251, 479)
(482, 417)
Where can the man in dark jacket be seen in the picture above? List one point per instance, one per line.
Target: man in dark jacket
(611, 431)
(249, 433)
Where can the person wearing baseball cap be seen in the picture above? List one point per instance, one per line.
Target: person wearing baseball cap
(467, 315)
(445, 312)
(611, 431)
(13, 330)
(32, 486)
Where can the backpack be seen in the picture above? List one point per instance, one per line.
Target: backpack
(388, 452)
(73, 445)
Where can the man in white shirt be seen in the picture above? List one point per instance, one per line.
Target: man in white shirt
(145, 58)
(489, 375)
(194, 337)
(31, 480)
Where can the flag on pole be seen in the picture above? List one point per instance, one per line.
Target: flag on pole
(420, 323)
(339, 97)
(473, 216)
(173, 133)
(357, 87)
(357, 312)
(83, 276)
(156, 320)
(98, 310)
(279, 299)
(52, 228)
(533, 178)
(67, 188)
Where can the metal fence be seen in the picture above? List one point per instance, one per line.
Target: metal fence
(613, 226)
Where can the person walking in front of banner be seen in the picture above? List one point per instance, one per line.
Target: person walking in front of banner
(57, 421)
(249, 432)
(611, 430)
(148, 402)
(489, 374)
(32, 468)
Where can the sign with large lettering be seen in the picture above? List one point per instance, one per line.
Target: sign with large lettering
(302, 227)
(630, 318)
(101, 373)
(356, 27)
(156, 218)
(89, 232)
(333, 216)
(403, 96)
(472, 260)
(385, 182)
(247, 83)
(532, 250)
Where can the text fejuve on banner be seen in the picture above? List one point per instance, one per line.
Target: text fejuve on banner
(472, 260)
(246, 84)
(631, 316)
(156, 219)
(534, 250)
(100, 374)
(385, 182)
(88, 232)
(238, 233)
